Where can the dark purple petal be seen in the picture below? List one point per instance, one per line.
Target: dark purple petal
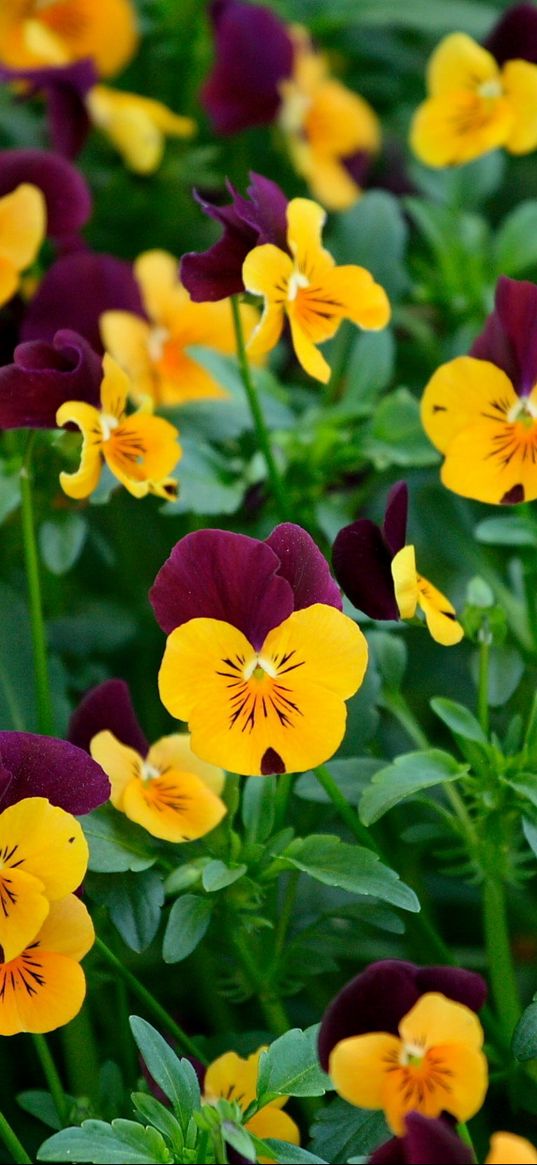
(214, 574)
(362, 566)
(66, 193)
(266, 212)
(395, 517)
(509, 338)
(304, 567)
(514, 36)
(66, 87)
(44, 376)
(358, 166)
(75, 292)
(41, 766)
(107, 707)
(426, 1142)
(378, 999)
(254, 52)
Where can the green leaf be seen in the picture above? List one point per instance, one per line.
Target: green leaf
(391, 656)
(216, 875)
(61, 540)
(506, 668)
(134, 902)
(526, 786)
(511, 530)
(290, 1067)
(395, 436)
(152, 1112)
(530, 833)
(258, 807)
(351, 867)
(176, 1077)
(41, 1105)
(525, 1034)
(10, 494)
(115, 843)
(206, 485)
(459, 719)
(189, 918)
(369, 369)
(239, 1138)
(515, 244)
(293, 1154)
(456, 186)
(121, 1143)
(98, 628)
(341, 1130)
(373, 233)
(408, 775)
(351, 775)
(422, 16)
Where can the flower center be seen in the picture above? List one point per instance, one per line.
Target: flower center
(524, 412)
(490, 89)
(411, 1056)
(258, 668)
(158, 338)
(297, 281)
(108, 424)
(149, 772)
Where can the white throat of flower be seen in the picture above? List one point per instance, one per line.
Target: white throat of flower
(296, 282)
(108, 424)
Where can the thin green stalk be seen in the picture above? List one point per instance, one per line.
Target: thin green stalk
(285, 913)
(346, 812)
(262, 433)
(395, 703)
(284, 789)
(273, 1010)
(52, 1078)
(12, 1143)
(464, 1134)
(499, 959)
(45, 717)
(186, 1043)
(483, 682)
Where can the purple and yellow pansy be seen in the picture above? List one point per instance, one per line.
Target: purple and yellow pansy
(59, 31)
(434, 1141)
(376, 569)
(235, 1078)
(480, 410)
(259, 658)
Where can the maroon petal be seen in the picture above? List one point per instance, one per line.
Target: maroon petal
(304, 567)
(254, 52)
(395, 517)
(458, 984)
(362, 565)
(214, 574)
(44, 376)
(514, 36)
(66, 193)
(509, 338)
(266, 212)
(75, 292)
(107, 707)
(358, 166)
(374, 1001)
(426, 1142)
(66, 87)
(41, 766)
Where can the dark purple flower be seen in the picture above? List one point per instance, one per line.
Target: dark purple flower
(215, 574)
(426, 1142)
(247, 222)
(40, 766)
(66, 87)
(254, 52)
(107, 707)
(514, 36)
(64, 189)
(379, 998)
(362, 555)
(509, 338)
(75, 292)
(43, 376)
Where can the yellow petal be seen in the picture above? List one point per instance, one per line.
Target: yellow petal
(233, 1077)
(86, 478)
(44, 841)
(312, 361)
(176, 806)
(141, 452)
(120, 763)
(358, 297)
(493, 462)
(293, 709)
(339, 122)
(458, 127)
(180, 379)
(440, 614)
(449, 1078)
(405, 581)
(461, 393)
(23, 218)
(359, 1067)
(328, 179)
(114, 388)
(266, 271)
(267, 333)
(68, 929)
(157, 273)
(9, 280)
(39, 992)
(23, 908)
(508, 1149)
(305, 221)
(175, 751)
(272, 1122)
(520, 84)
(126, 337)
(459, 63)
(136, 125)
(102, 29)
(435, 1020)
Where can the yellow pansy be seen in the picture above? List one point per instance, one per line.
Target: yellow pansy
(137, 126)
(34, 33)
(23, 219)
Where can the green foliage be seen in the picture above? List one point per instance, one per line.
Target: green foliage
(340, 1130)
(525, 1034)
(61, 541)
(188, 921)
(290, 1067)
(117, 844)
(134, 902)
(122, 1143)
(350, 867)
(408, 775)
(174, 1076)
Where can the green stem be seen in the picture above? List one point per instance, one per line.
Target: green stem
(12, 1143)
(500, 962)
(285, 913)
(45, 717)
(346, 812)
(483, 683)
(52, 1078)
(396, 703)
(464, 1134)
(153, 1006)
(262, 433)
(274, 1012)
(284, 789)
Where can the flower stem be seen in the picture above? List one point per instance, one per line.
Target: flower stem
(274, 1012)
(483, 683)
(464, 1134)
(52, 1078)
(346, 812)
(258, 418)
(499, 959)
(12, 1143)
(395, 703)
(187, 1044)
(45, 718)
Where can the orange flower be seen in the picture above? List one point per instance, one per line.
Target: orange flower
(35, 33)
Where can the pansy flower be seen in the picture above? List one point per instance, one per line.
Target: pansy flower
(433, 1141)
(41, 766)
(22, 230)
(59, 31)
(43, 987)
(253, 53)
(164, 788)
(66, 194)
(235, 1078)
(43, 376)
(304, 285)
(259, 658)
(376, 569)
(406, 1039)
(141, 450)
(154, 351)
(247, 221)
(480, 410)
(476, 102)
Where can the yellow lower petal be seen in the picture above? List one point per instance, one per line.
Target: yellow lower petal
(86, 478)
(233, 1077)
(312, 361)
(272, 1122)
(46, 842)
(520, 84)
(359, 1066)
(23, 219)
(39, 992)
(104, 31)
(459, 127)
(176, 806)
(328, 179)
(23, 909)
(120, 763)
(493, 462)
(440, 614)
(9, 281)
(67, 929)
(508, 1149)
(405, 581)
(459, 394)
(359, 298)
(175, 752)
(141, 452)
